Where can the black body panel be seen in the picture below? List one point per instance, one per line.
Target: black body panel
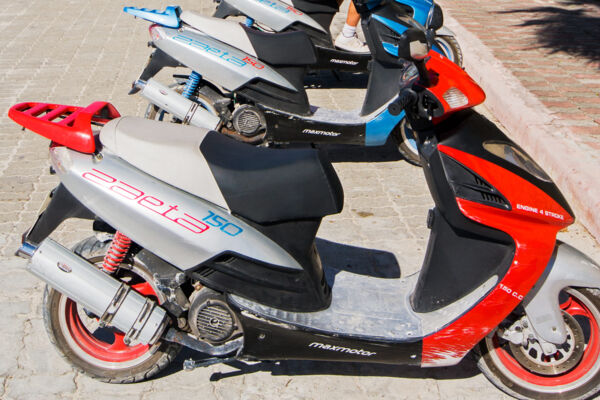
(63, 205)
(467, 130)
(456, 262)
(328, 58)
(461, 254)
(271, 185)
(300, 291)
(283, 128)
(290, 48)
(269, 95)
(320, 6)
(384, 85)
(271, 341)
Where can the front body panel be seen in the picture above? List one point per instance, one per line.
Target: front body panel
(505, 202)
(275, 14)
(218, 62)
(178, 227)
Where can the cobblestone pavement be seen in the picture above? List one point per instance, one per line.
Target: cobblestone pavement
(79, 51)
(552, 47)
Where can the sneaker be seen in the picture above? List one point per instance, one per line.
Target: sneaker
(352, 43)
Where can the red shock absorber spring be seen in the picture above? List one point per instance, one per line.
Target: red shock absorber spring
(116, 253)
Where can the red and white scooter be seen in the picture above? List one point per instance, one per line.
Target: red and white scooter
(210, 243)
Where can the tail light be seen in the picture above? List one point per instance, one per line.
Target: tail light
(156, 32)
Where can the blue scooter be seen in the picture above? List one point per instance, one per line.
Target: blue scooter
(250, 85)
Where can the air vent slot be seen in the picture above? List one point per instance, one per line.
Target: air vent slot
(467, 185)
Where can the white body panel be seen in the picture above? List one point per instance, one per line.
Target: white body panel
(275, 14)
(180, 228)
(229, 32)
(215, 60)
(169, 152)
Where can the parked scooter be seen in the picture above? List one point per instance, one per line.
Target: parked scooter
(246, 84)
(315, 19)
(224, 260)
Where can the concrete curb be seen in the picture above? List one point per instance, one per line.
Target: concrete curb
(532, 126)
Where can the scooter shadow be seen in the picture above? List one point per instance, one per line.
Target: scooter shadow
(339, 153)
(337, 80)
(465, 369)
(358, 260)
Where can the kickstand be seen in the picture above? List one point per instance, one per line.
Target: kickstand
(190, 364)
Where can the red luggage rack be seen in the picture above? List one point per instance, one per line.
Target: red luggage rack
(69, 126)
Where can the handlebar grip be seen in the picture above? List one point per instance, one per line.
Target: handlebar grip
(405, 98)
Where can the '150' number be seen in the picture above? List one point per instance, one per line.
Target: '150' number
(219, 222)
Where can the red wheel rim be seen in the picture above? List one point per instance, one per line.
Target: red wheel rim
(111, 351)
(574, 307)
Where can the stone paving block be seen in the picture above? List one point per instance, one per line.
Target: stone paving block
(42, 387)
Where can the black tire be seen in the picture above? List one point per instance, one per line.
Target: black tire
(403, 134)
(449, 45)
(581, 380)
(59, 312)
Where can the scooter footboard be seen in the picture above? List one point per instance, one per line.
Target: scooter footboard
(568, 267)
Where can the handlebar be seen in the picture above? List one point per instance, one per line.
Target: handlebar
(405, 98)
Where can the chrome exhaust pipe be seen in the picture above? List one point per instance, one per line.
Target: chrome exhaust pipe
(187, 111)
(140, 318)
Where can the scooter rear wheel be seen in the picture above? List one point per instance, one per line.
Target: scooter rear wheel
(574, 373)
(101, 352)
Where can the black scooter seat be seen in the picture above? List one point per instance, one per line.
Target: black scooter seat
(289, 48)
(272, 185)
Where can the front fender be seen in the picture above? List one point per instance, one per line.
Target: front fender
(443, 31)
(568, 267)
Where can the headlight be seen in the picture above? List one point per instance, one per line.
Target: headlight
(517, 157)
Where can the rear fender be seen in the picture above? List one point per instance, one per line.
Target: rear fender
(568, 267)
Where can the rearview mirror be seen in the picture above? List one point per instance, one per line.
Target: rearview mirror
(417, 43)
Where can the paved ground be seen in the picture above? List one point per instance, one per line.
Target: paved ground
(89, 50)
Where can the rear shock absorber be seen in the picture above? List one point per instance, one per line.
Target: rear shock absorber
(116, 253)
(192, 84)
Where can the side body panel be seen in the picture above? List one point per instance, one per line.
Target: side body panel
(218, 62)
(276, 14)
(180, 228)
(533, 218)
(265, 340)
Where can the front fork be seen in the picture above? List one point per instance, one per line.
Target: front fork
(568, 267)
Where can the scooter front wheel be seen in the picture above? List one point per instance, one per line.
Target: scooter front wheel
(450, 47)
(100, 352)
(407, 144)
(572, 373)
